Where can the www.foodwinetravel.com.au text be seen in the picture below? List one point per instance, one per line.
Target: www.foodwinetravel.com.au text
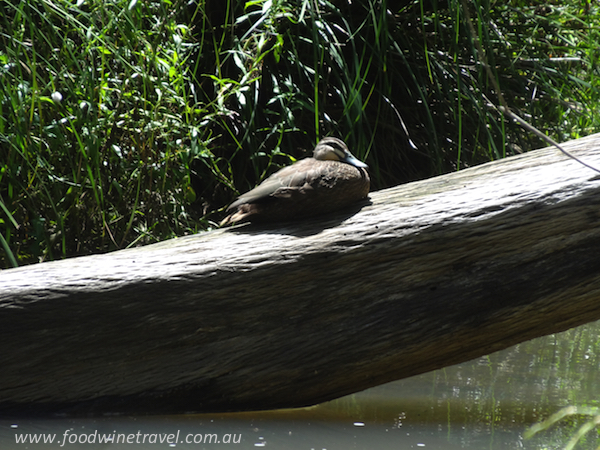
(71, 437)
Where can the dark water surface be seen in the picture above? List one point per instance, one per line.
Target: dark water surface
(486, 403)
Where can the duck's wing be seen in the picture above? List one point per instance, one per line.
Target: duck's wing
(279, 184)
(309, 187)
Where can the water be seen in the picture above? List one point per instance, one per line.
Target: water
(483, 404)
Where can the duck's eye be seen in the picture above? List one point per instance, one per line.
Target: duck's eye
(340, 153)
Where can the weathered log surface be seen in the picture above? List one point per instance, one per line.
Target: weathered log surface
(429, 274)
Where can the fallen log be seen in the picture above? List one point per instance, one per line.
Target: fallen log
(426, 275)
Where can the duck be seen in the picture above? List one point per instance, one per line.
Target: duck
(330, 180)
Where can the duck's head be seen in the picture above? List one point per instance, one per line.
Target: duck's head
(334, 149)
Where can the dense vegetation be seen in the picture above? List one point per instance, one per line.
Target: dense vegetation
(126, 122)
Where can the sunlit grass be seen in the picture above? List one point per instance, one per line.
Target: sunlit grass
(124, 123)
(95, 124)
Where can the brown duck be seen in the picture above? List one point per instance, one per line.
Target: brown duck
(332, 179)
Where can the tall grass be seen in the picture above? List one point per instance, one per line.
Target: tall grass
(127, 122)
(94, 116)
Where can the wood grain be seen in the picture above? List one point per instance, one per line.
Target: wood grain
(422, 276)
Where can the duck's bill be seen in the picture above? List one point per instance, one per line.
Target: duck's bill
(349, 159)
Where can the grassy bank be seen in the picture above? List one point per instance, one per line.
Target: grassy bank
(124, 122)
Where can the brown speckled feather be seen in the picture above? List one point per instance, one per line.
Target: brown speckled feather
(307, 188)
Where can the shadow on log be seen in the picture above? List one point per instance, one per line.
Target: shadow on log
(427, 275)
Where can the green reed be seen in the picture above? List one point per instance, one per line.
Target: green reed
(124, 122)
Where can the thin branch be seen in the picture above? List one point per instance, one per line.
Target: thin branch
(504, 108)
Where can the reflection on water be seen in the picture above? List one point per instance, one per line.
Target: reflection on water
(484, 404)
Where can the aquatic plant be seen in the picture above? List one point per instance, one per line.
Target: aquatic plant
(589, 425)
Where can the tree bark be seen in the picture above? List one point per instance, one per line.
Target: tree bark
(423, 276)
